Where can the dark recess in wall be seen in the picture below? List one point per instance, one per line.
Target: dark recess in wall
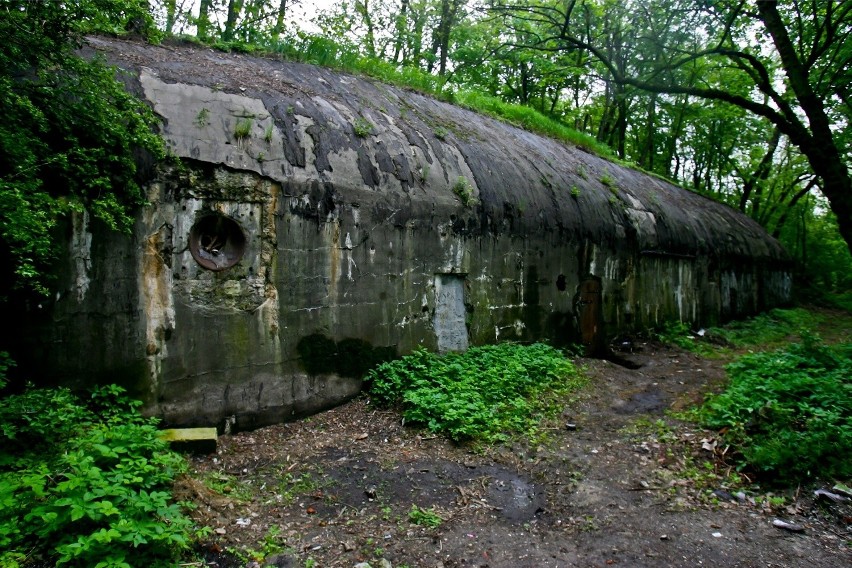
(350, 357)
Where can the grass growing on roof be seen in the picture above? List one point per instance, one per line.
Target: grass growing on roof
(485, 394)
(346, 56)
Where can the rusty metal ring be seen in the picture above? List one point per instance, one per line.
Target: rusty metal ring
(217, 242)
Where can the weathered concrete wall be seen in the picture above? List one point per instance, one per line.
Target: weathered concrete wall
(372, 220)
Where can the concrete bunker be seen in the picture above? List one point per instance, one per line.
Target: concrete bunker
(283, 252)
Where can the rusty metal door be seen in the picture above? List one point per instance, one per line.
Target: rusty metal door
(590, 314)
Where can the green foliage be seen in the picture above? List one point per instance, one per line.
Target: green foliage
(575, 191)
(243, 128)
(69, 129)
(273, 542)
(487, 393)
(609, 182)
(202, 118)
(789, 412)
(766, 329)
(771, 328)
(676, 333)
(86, 484)
(842, 300)
(424, 517)
(6, 363)
(530, 119)
(362, 127)
(812, 237)
(227, 484)
(464, 191)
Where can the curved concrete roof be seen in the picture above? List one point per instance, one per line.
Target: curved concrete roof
(325, 134)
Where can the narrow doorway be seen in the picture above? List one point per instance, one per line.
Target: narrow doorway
(449, 320)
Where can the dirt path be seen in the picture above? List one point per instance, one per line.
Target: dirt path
(615, 482)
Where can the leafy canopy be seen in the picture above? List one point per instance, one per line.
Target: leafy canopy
(70, 130)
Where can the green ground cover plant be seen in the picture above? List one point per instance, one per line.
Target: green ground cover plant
(770, 329)
(424, 517)
(485, 394)
(86, 483)
(788, 413)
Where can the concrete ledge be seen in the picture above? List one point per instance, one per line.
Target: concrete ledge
(191, 440)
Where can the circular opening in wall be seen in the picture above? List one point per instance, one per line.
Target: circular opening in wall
(217, 242)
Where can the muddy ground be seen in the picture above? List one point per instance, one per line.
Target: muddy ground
(615, 481)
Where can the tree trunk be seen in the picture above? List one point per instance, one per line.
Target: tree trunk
(279, 19)
(363, 9)
(441, 40)
(202, 30)
(171, 9)
(761, 173)
(819, 148)
(401, 26)
(782, 220)
(235, 8)
(649, 147)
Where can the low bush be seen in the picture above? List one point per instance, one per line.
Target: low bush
(775, 326)
(486, 393)
(770, 329)
(789, 412)
(86, 483)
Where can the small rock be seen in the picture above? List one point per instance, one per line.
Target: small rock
(385, 563)
(842, 489)
(280, 561)
(348, 546)
(243, 522)
(361, 436)
(664, 537)
(570, 426)
(837, 498)
(362, 565)
(371, 491)
(220, 530)
(717, 535)
(724, 495)
(792, 527)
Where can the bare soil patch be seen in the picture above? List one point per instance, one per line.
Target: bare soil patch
(616, 481)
